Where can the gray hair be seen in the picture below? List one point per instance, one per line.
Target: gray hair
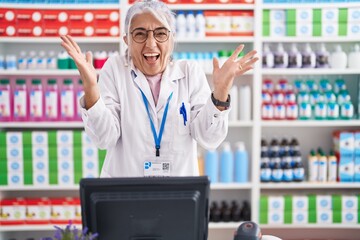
(158, 9)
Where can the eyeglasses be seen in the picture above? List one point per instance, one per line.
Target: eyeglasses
(160, 34)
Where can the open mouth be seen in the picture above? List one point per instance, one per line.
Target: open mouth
(151, 57)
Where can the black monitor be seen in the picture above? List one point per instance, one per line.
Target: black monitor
(166, 208)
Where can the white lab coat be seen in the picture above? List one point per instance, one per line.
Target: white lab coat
(118, 122)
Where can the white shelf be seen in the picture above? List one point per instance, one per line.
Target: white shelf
(34, 227)
(310, 123)
(211, 6)
(31, 125)
(230, 186)
(223, 39)
(224, 225)
(307, 185)
(47, 72)
(241, 123)
(312, 226)
(309, 5)
(309, 71)
(59, 6)
(310, 39)
(38, 188)
(95, 40)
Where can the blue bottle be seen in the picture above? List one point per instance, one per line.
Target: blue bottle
(241, 163)
(212, 165)
(226, 164)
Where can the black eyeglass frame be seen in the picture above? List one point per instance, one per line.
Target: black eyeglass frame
(147, 34)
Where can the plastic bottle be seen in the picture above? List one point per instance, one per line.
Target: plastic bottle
(52, 101)
(313, 163)
(190, 25)
(323, 161)
(294, 146)
(51, 62)
(308, 57)
(347, 110)
(246, 211)
(241, 163)
(212, 165)
(245, 103)
(79, 94)
(63, 60)
(233, 115)
(10, 62)
(5, 100)
(100, 58)
(36, 102)
(2, 62)
(322, 57)
(20, 101)
(332, 167)
(338, 58)
(41, 61)
(265, 172)
(22, 61)
(67, 106)
(200, 24)
(181, 25)
(298, 169)
(276, 173)
(295, 57)
(226, 164)
(280, 57)
(32, 60)
(268, 57)
(287, 173)
(354, 57)
(264, 145)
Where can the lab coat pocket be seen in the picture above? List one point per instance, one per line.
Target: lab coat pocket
(183, 118)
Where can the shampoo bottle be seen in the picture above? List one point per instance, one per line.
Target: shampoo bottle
(338, 58)
(226, 164)
(295, 57)
(241, 163)
(354, 57)
(308, 57)
(322, 57)
(268, 57)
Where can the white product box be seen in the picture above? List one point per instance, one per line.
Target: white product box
(304, 29)
(64, 138)
(353, 29)
(242, 24)
(323, 202)
(15, 165)
(300, 217)
(39, 138)
(353, 14)
(330, 29)
(40, 165)
(62, 212)
(14, 138)
(329, 15)
(40, 179)
(349, 217)
(39, 212)
(14, 212)
(85, 139)
(323, 216)
(14, 152)
(277, 16)
(276, 203)
(15, 179)
(349, 203)
(90, 153)
(65, 178)
(65, 152)
(90, 169)
(40, 152)
(304, 15)
(277, 29)
(300, 203)
(276, 217)
(65, 165)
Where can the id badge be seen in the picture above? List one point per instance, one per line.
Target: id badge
(159, 167)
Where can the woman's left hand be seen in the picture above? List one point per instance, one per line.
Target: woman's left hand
(223, 77)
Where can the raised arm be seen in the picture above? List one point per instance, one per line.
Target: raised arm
(86, 69)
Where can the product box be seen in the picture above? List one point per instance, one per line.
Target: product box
(323, 202)
(62, 210)
(349, 217)
(276, 203)
(30, 16)
(349, 203)
(40, 152)
(13, 211)
(14, 152)
(218, 23)
(344, 150)
(329, 15)
(304, 15)
(300, 203)
(357, 157)
(85, 139)
(14, 138)
(329, 29)
(277, 16)
(300, 217)
(64, 138)
(7, 16)
(40, 178)
(90, 168)
(353, 29)
(38, 211)
(276, 217)
(242, 23)
(65, 178)
(90, 153)
(65, 165)
(277, 29)
(353, 14)
(15, 165)
(65, 152)
(324, 216)
(40, 165)
(39, 138)
(15, 179)
(304, 29)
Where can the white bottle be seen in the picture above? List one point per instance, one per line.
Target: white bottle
(280, 57)
(22, 61)
(354, 57)
(338, 59)
(245, 103)
(32, 60)
(268, 57)
(41, 61)
(308, 57)
(51, 62)
(190, 25)
(295, 57)
(233, 115)
(181, 25)
(200, 24)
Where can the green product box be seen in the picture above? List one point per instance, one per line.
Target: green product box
(317, 16)
(28, 172)
(337, 217)
(312, 202)
(53, 178)
(3, 179)
(336, 202)
(291, 29)
(343, 29)
(266, 16)
(52, 138)
(288, 217)
(2, 140)
(317, 31)
(343, 15)
(312, 216)
(3, 152)
(264, 216)
(27, 140)
(288, 203)
(72, 64)
(264, 204)
(101, 154)
(266, 30)
(63, 63)
(291, 16)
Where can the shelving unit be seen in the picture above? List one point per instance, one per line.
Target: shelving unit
(308, 132)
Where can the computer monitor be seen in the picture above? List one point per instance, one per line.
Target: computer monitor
(166, 208)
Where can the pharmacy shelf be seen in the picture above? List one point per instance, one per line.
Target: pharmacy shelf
(310, 5)
(230, 186)
(312, 226)
(224, 225)
(39, 188)
(220, 39)
(310, 71)
(344, 39)
(34, 125)
(92, 39)
(311, 123)
(67, 6)
(241, 124)
(211, 6)
(312, 185)
(45, 72)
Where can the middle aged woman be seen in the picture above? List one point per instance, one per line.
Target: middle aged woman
(148, 111)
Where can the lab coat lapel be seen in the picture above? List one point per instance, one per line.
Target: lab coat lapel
(168, 84)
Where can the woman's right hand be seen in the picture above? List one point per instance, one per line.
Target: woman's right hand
(86, 69)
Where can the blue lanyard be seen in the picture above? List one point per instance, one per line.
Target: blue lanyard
(157, 138)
